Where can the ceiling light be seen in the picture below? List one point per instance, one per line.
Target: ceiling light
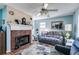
(45, 5)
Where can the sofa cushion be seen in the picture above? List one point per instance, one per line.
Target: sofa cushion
(75, 48)
(76, 43)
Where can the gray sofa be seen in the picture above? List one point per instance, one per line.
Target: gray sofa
(75, 47)
(73, 50)
(51, 39)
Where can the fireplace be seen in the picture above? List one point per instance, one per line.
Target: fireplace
(22, 40)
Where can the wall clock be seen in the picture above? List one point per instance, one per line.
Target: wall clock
(11, 12)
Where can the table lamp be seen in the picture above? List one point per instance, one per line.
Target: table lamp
(68, 29)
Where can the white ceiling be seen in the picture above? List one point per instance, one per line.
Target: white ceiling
(34, 8)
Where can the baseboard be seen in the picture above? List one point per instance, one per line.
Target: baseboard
(8, 51)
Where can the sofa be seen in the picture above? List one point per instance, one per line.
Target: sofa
(53, 38)
(73, 50)
(63, 49)
(75, 47)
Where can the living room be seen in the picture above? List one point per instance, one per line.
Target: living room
(39, 28)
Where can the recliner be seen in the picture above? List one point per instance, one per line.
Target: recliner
(75, 47)
(73, 50)
(63, 49)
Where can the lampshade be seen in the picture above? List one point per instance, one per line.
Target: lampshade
(68, 27)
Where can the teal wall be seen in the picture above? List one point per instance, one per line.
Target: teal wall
(3, 15)
(75, 23)
(0, 17)
(0, 14)
(65, 19)
(36, 26)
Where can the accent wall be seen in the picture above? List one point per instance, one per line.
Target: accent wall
(65, 19)
(76, 24)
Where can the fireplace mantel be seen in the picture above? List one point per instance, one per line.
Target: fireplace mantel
(13, 30)
(20, 27)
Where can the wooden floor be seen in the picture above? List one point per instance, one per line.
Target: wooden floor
(13, 53)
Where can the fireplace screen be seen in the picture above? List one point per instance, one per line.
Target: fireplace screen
(20, 41)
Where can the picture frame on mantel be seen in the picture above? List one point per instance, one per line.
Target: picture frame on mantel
(57, 25)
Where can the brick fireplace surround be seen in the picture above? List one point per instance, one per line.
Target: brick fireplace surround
(18, 33)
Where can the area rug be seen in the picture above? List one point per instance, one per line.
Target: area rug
(39, 49)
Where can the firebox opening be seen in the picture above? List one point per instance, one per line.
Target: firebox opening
(22, 40)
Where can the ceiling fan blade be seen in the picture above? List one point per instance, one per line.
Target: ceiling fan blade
(38, 14)
(52, 9)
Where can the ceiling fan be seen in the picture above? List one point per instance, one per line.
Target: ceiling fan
(45, 11)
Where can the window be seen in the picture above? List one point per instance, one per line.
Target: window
(78, 27)
(42, 26)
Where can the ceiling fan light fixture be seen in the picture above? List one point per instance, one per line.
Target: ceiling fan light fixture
(45, 5)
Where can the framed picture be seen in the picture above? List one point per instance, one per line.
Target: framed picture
(57, 25)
